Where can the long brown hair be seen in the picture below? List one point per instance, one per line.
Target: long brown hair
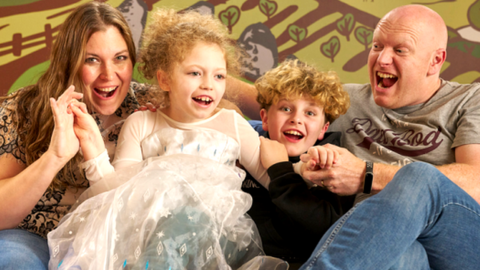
(33, 116)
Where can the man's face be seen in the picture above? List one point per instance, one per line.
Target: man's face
(399, 64)
(295, 123)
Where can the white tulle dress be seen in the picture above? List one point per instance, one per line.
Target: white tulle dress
(180, 208)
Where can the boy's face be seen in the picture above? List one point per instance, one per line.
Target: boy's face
(297, 124)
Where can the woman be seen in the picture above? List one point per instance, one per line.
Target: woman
(39, 179)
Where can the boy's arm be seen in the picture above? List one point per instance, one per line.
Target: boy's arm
(302, 213)
(299, 210)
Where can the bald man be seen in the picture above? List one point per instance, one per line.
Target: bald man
(407, 113)
(424, 218)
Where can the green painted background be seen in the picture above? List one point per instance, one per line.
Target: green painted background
(332, 34)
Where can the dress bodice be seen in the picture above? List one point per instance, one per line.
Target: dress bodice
(207, 143)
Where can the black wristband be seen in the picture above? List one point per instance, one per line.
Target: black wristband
(367, 183)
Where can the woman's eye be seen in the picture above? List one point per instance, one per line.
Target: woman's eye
(122, 57)
(91, 60)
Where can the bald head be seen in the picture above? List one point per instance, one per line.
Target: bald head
(406, 58)
(421, 21)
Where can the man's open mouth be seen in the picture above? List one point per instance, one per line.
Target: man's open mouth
(105, 92)
(386, 80)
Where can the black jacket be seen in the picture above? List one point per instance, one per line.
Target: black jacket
(292, 218)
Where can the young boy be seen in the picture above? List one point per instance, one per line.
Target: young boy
(298, 103)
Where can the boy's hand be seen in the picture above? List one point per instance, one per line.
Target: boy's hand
(319, 157)
(345, 177)
(272, 152)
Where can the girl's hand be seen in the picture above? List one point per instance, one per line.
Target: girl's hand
(64, 144)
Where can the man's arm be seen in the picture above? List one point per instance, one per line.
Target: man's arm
(346, 176)
(244, 95)
(465, 172)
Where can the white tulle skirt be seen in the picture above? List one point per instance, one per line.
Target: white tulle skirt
(171, 212)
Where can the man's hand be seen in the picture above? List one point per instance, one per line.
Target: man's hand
(344, 177)
(272, 152)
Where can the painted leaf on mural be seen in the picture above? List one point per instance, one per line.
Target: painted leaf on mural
(364, 36)
(296, 33)
(345, 25)
(474, 15)
(230, 16)
(331, 48)
(467, 47)
(268, 7)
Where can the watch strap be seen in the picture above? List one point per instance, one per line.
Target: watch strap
(368, 181)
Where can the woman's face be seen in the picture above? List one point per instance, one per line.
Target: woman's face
(107, 71)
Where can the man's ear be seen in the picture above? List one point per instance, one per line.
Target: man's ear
(163, 80)
(324, 129)
(438, 59)
(264, 116)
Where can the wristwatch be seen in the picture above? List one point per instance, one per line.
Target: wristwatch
(367, 183)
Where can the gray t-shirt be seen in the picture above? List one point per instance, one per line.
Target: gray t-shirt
(426, 132)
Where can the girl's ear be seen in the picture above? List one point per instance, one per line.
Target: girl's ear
(163, 80)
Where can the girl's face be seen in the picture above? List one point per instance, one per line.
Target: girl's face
(107, 71)
(196, 85)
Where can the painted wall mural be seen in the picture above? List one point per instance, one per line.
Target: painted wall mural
(332, 34)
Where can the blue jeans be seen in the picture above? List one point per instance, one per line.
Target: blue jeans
(23, 250)
(419, 211)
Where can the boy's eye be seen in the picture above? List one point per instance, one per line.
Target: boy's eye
(310, 113)
(285, 109)
(195, 73)
(219, 77)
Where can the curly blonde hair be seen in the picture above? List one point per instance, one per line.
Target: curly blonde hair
(171, 36)
(293, 79)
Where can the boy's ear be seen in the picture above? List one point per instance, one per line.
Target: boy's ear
(324, 129)
(264, 116)
(163, 80)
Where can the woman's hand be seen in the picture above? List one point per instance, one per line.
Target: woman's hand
(64, 144)
(87, 132)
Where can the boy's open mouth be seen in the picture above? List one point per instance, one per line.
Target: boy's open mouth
(203, 100)
(105, 92)
(293, 134)
(386, 80)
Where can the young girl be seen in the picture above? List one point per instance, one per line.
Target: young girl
(174, 199)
